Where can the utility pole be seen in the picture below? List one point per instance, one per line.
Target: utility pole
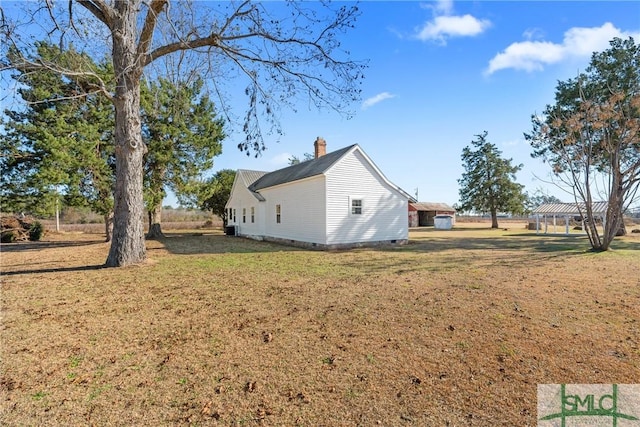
(57, 215)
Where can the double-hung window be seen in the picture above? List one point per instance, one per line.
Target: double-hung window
(253, 214)
(356, 206)
(278, 212)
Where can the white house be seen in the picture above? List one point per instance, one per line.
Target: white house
(338, 199)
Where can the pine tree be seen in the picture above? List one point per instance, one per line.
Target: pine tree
(61, 143)
(488, 183)
(183, 135)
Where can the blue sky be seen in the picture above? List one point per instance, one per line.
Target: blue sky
(442, 72)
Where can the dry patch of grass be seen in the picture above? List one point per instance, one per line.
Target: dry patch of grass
(456, 328)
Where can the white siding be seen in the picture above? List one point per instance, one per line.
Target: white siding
(384, 210)
(241, 198)
(302, 210)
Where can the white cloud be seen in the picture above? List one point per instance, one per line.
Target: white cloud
(585, 41)
(533, 34)
(528, 56)
(370, 102)
(445, 24)
(443, 7)
(578, 42)
(452, 26)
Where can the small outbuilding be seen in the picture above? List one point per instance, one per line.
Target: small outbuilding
(423, 214)
(443, 222)
(548, 214)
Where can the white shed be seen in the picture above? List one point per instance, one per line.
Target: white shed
(338, 199)
(443, 222)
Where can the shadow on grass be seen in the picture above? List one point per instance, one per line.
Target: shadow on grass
(204, 243)
(442, 254)
(562, 245)
(513, 241)
(54, 270)
(30, 246)
(498, 248)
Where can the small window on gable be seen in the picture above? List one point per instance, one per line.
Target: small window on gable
(278, 211)
(253, 214)
(244, 215)
(356, 206)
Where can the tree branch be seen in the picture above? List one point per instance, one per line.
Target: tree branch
(146, 36)
(41, 65)
(211, 40)
(66, 98)
(100, 10)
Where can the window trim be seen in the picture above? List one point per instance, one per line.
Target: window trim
(278, 214)
(353, 199)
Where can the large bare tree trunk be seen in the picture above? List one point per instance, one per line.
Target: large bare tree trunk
(155, 219)
(613, 220)
(127, 246)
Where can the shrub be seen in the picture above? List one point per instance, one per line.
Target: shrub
(8, 237)
(36, 231)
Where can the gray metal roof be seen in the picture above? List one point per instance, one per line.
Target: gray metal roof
(429, 206)
(300, 171)
(599, 208)
(248, 177)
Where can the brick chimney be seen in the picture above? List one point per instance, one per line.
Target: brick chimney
(320, 146)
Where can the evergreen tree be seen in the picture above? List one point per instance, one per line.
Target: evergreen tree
(182, 135)
(215, 193)
(488, 183)
(540, 197)
(61, 143)
(294, 160)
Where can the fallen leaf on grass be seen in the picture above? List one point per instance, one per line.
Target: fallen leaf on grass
(206, 408)
(250, 386)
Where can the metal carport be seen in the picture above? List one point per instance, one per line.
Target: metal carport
(566, 211)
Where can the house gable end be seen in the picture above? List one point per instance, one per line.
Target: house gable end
(356, 148)
(243, 179)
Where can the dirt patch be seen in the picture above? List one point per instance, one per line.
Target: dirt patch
(456, 328)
